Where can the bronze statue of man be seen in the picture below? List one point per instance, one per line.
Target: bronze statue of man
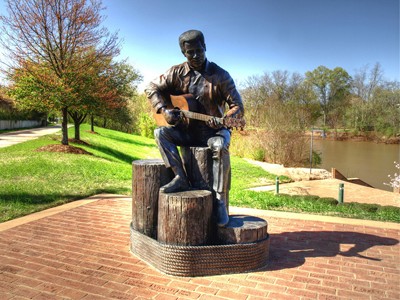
(212, 89)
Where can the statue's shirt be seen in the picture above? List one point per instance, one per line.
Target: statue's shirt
(213, 87)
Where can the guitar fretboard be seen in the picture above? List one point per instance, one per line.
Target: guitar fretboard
(198, 116)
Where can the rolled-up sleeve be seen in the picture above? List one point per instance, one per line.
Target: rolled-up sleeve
(231, 95)
(158, 88)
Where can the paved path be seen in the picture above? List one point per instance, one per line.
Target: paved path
(323, 185)
(330, 188)
(15, 137)
(81, 251)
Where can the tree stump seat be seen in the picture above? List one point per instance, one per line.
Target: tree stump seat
(243, 229)
(198, 165)
(148, 175)
(185, 218)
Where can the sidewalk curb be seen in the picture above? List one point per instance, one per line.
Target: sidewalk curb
(308, 217)
(232, 209)
(55, 210)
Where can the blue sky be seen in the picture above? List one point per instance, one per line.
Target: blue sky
(255, 36)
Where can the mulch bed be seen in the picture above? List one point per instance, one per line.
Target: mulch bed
(65, 148)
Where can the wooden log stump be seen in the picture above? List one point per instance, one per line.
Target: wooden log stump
(198, 164)
(243, 229)
(185, 218)
(147, 178)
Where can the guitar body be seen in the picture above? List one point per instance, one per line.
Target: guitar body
(183, 102)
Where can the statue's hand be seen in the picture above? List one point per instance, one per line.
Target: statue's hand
(214, 123)
(172, 116)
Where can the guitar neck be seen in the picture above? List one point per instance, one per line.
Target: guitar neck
(198, 116)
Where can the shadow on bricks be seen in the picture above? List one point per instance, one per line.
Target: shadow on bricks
(290, 249)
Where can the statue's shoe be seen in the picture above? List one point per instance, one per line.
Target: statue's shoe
(178, 184)
(222, 214)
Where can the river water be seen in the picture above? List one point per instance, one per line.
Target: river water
(369, 161)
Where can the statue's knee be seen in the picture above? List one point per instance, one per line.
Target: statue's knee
(217, 145)
(157, 133)
(160, 133)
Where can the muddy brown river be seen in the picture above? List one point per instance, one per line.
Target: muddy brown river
(369, 161)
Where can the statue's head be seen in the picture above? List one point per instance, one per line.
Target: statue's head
(193, 48)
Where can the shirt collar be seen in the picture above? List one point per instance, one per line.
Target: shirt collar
(188, 68)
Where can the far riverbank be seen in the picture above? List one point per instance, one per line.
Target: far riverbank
(369, 136)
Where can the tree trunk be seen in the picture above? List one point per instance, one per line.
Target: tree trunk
(185, 218)
(78, 120)
(92, 123)
(64, 126)
(46, 116)
(77, 131)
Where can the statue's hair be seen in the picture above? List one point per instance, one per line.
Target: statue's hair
(191, 36)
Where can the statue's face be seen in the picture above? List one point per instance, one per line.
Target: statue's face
(195, 54)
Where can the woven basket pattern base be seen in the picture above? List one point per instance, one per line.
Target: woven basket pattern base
(200, 260)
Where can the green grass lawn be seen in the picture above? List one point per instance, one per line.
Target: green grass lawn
(31, 181)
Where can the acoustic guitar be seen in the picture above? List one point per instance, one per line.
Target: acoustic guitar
(187, 108)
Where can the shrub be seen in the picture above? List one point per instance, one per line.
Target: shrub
(146, 125)
(289, 148)
(258, 154)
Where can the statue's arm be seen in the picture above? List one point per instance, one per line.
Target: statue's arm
(154, 92)
(161, 88)
(232, 97)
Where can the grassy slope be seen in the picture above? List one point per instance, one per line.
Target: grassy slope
(32, 181)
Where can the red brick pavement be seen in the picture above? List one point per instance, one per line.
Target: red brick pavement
(83, 253)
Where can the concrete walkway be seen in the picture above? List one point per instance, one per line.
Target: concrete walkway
(330, 188)
(320, 183)
(81, 251)
(15, 137)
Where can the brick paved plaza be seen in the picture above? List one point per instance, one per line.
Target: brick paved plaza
(81, 251)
